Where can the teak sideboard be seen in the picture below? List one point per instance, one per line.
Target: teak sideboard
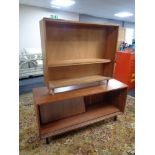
(79, 60)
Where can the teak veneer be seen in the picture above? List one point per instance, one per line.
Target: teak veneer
(100, 102)
(78, 62)
(75, 50)
(78, 69)
(77, 121)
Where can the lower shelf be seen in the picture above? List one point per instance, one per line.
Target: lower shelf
(76, 81)
(89, 117)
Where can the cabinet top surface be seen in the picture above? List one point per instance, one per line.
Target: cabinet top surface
(49, 20)
(42, 96)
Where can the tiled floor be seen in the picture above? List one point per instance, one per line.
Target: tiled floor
(131, 92)
(26, 85)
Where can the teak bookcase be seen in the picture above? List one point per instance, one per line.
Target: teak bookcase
(77, 54)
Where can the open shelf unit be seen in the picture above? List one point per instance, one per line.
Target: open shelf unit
(78, 57)
(100, 102)
(76, 50)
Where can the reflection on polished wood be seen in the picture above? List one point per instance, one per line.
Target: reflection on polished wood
(76, 81)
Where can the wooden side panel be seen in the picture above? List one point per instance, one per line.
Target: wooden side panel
(118, 98)
(61, 109)
(111, 47)
(120, 101)
(44, 50)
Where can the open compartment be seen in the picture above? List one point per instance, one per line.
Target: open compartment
(74, 109)
(112, 101)
(97, 107)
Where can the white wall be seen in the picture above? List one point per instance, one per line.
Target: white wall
(29, 17)
(88, 18)
(129, 25)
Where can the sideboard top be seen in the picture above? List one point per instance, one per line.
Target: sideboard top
(42, 95)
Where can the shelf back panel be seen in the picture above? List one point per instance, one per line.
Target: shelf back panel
(68, 40)
(71, 42)
(66, 72)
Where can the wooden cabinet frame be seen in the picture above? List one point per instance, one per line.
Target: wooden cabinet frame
(77, 54)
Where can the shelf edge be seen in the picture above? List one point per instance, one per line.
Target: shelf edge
(78, 63)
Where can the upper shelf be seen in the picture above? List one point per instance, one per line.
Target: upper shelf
(77, 62)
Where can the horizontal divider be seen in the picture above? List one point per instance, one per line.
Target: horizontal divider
(72, 62)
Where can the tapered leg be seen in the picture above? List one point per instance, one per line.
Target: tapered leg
(47, 140)
(107, 82)
(115, 118)
(52, 91)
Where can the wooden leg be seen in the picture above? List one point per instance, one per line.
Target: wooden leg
(52, 91)
(115, 118)
(47, 140)
(107, 82)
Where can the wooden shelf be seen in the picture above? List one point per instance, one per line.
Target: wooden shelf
(77, 62)
(77, 121)
(76, 81)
